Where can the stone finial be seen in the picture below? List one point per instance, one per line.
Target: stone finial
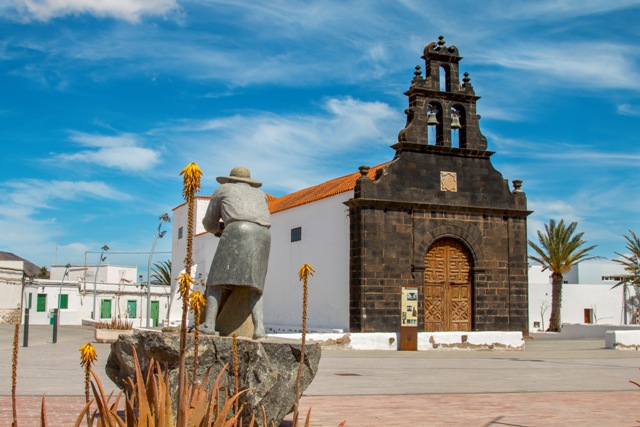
(364, 170)
(441, 41)
(466, 79)
(417, 74)
(517, 185)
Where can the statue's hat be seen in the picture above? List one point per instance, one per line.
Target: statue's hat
(239, 174)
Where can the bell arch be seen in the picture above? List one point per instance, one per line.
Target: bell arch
(435, 120)
(458, 112)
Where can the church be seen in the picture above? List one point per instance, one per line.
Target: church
(437, 217)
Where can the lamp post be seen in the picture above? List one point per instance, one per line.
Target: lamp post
(159, 234)
(66, 271)
(95, 279)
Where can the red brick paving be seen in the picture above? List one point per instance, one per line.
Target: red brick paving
(601, 409)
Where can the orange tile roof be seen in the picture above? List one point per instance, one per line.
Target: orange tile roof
(312, 194)
(320, 191)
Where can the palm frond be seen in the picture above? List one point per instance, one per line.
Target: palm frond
(630, 262)
(560, 247)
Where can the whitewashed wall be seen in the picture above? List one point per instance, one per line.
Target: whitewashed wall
(80, 302)
(593, 293)
(107, 273)
(80, 295)
(324, 246)
(10, 286)
(204, 247)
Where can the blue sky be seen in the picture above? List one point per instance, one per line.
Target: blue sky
(102, 103)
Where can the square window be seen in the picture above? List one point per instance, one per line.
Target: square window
(296, 234)
(180, 233)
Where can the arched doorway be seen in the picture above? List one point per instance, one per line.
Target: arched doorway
(447, 287)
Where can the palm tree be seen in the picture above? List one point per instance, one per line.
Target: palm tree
(559, 251)
(162, 277)
(631, 264)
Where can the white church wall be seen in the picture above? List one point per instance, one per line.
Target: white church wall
(325, 246)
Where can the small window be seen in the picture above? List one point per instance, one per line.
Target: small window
(180, 233)
(42, 303)
(64, 301)
(296, 234)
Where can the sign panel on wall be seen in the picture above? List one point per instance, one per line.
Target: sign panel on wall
(409, 307)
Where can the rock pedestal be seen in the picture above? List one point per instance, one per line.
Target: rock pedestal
(269, 367)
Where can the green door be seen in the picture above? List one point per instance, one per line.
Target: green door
(41, 303)
(132, 309)
(155, 312)
(105, 309)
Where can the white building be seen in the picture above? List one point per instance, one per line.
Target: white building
(587, 297)
(11, 273)
(75, 290)
(311, 227)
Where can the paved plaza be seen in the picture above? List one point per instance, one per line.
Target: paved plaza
(553, 382)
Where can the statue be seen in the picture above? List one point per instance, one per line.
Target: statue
(238, 214)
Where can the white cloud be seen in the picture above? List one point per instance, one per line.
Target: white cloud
(577, 155)
(25, 221)
(628, 110)
(128, 10)
(123, 152)
(561, 9)
(28, 196)
(572, 64)
(295, 151)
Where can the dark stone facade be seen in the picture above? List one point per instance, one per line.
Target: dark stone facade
(445, 188)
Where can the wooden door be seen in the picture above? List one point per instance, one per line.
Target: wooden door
(447, 287)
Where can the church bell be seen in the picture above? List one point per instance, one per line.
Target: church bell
(455, 122)
(432, 120)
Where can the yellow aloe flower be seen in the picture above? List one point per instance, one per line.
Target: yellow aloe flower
(192, 174)
(88, 355)
(197, 302)
(184, 285)
(305, 271)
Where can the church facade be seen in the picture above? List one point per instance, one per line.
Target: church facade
(437, 217)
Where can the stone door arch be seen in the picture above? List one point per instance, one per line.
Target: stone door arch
(447, 287)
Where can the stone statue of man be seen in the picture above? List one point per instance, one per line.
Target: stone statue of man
(238, 213)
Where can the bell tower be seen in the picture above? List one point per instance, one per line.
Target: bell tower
(442, 111)
(439, 217)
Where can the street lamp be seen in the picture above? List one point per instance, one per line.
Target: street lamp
(95, 279)
(66, 271)
(159, 234)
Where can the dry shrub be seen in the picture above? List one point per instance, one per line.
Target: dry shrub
(119, 324)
